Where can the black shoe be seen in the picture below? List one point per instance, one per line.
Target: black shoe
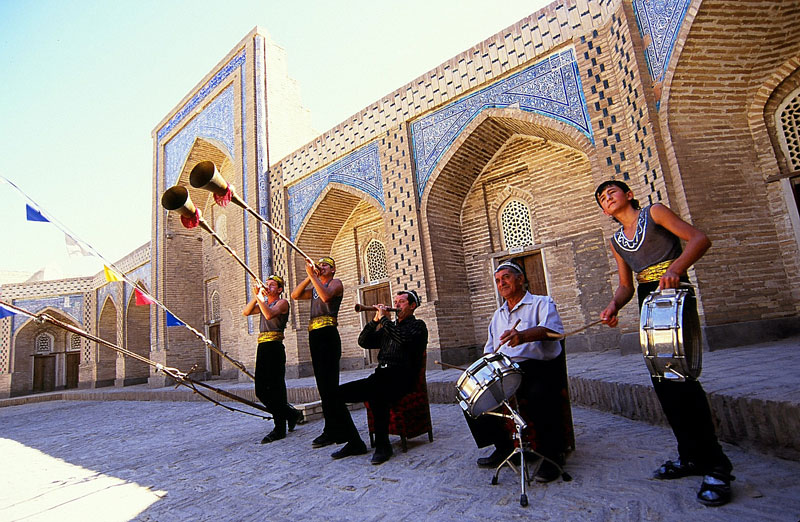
(350, 449)
(548, 472)
(494, 460)
(678, 469)
(294, 419)
(322, 441)
(273, 436)
(382, 454)
(715, 490)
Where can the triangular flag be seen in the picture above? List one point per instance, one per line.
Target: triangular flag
(6, 312)
(173, 321)
(111, 276)
(74, 248)
(34, 215)
(141, 299)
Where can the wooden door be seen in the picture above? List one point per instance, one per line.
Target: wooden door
(370, 296)
(44, 373)
(534, 273)
(214, 357)
(72, 362)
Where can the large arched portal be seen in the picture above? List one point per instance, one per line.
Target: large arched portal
(340, 224)
(722, 93)
(514, 185)
(196, 266)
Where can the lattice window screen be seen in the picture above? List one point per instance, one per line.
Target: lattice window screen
(75, 342)
(788, 122)
(216, 313)
(44, 343)
(376, 261)
(515, 221)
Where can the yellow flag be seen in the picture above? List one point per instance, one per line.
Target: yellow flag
(111, 275)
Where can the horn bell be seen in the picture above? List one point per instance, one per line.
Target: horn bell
(177, 199)
(205, 176)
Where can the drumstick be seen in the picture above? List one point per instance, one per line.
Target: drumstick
(573, 332)
(505, 343)
(450, 366)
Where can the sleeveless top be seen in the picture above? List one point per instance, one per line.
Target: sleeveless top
(321, 308)
(651, 244)
(276, 324)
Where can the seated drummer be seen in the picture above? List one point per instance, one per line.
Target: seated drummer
(541, 360)
(649, 243)
(402, 343)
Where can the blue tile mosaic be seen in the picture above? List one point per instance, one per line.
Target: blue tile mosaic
(215, 122)
(236, 62)
(660, 20)
(551, 87)
(70, 305)
(360, 169)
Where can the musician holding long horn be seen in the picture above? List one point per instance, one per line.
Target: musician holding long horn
(325, 293)
(270, 377)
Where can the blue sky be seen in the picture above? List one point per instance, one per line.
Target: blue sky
(84, 83)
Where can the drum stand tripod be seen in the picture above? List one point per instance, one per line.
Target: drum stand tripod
(520, 449)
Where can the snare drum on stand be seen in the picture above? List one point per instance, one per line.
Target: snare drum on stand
(669, 332)
(487, 383)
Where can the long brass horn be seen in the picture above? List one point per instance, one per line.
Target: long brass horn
(205, 176)
(177, 199)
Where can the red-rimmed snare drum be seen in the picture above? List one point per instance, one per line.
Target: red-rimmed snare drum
(486, 383)
(670, 335)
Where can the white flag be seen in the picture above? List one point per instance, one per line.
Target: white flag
(74, 249)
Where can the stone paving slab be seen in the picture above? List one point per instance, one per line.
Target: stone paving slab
(181, 461)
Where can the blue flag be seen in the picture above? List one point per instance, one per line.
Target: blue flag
(6, 312)
(173, 321)
(34, 215)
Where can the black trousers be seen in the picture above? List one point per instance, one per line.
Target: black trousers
(326, 354)
(685, 405)
(541, 401)
(380, 389)
(270, 381)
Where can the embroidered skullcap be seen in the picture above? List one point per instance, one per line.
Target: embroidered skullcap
(327, 261)
(510, 265)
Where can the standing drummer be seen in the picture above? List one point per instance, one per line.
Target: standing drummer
(649, 243)
(544, 373)
(325, 293)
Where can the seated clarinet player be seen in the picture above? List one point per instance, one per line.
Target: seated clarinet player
(402, 343)
(541, 360)
(648, 242)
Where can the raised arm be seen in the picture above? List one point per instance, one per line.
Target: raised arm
(697, 243)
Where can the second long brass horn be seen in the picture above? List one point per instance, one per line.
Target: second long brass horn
(205, 176)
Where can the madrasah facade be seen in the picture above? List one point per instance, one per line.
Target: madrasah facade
(492, 155)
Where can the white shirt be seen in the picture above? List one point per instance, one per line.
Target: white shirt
(532, 310)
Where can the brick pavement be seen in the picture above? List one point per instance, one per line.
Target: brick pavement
(175, 461)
